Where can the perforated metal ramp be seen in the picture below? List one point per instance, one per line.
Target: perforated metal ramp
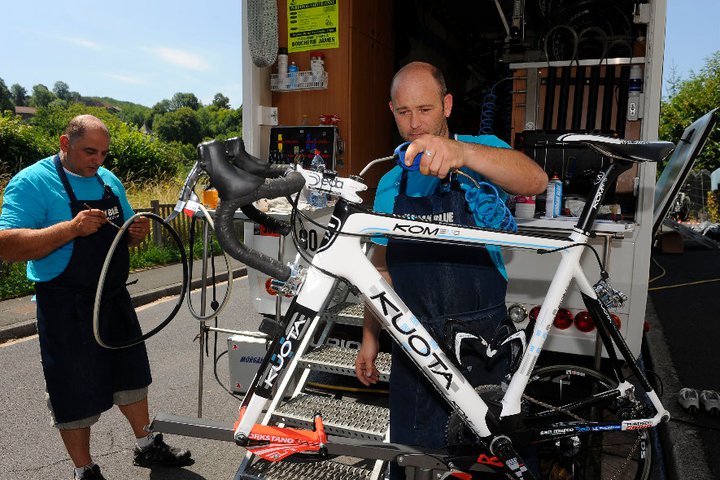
(340, 417)
(308, 471)
(347, 313)
(354, 417)
(341, 361)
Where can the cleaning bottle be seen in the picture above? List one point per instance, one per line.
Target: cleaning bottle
(553, 197)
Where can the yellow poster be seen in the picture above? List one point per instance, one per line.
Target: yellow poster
(312, 25)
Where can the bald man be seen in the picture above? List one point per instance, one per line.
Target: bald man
(61, 215)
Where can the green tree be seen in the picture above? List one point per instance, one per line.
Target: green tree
(21, 144)
(133, 114)
(180, 100)
(19, 95)
(181, 125)
(220, 123)
(159, 108)
(139, 157)
(6, 102)
(52, 120)
(221, 101)
(62, 91)
(689, 100)
(41, 96)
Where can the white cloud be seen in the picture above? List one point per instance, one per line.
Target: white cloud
(180, 57)
(82, 42)
(126, 79)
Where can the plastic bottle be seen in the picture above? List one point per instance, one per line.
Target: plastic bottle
(318, 199)
(317, 66)
(292, 75)
(282, 65)
(553, 197)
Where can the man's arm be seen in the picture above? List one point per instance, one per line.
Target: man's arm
(22, 244)
(507, 168)
(365, 369)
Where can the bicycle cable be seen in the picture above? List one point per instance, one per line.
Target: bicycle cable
(298, 246)
(603, 272)
(216, 310)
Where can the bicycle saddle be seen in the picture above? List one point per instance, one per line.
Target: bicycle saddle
(633, 151)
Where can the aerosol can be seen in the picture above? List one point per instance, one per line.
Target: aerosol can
(553, 197)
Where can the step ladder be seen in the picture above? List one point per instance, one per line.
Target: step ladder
(345, 417)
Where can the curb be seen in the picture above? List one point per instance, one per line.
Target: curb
(683, 450)
(29, 327)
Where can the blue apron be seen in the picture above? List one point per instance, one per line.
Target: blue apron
(81, 376)
(439, 283)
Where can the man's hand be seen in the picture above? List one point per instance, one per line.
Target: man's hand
(439, 155)
(365, 370)
(507, 168)
(138, 230)
(87, 222)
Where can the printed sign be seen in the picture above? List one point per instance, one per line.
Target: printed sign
(312, 25)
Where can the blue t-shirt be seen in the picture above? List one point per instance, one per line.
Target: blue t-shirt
(419, 185)
(35, 198)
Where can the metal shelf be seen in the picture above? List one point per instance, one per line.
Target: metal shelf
(583, 63)
(305, 80)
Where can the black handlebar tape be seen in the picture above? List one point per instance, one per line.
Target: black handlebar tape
(280, 226)
(225, 230)
(276, 171)
(293, 182)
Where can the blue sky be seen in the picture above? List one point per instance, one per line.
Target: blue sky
(146, 51)
(692, 35)
(139, 51)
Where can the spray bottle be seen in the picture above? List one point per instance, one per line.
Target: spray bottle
(553, 197)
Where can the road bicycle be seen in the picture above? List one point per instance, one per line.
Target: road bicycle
(573, 418)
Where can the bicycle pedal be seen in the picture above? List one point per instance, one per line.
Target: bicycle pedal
(710, 400)
(688, 399)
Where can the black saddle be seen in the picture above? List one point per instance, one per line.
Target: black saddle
(628, 150)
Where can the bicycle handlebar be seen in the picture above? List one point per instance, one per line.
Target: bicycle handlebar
(241, 179)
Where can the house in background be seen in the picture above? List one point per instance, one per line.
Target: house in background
(25, 112)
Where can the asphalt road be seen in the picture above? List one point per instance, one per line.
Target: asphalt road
(30, 448)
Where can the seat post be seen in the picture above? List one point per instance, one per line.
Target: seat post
(602, 183)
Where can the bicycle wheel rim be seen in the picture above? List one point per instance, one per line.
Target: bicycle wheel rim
(604, 455)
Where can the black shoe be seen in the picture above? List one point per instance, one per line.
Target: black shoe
(160, 453)
(92, 473)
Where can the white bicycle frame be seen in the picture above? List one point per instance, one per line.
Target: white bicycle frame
(341, 254)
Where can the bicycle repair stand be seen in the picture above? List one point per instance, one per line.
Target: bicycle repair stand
(204, 327)
(420, 464)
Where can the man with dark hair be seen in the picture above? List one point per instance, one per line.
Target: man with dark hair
(441, 284)
(61, 214)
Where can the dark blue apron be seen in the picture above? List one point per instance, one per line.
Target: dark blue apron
(81, 376)
(439, 283)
